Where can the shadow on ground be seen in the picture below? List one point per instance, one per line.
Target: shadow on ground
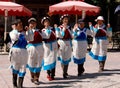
(107, 72)
(62, 83)
(56, 86)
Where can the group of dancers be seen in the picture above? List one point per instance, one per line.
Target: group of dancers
(40, 49)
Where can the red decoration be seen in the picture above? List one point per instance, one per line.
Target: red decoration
(73, 7)
(14, 9)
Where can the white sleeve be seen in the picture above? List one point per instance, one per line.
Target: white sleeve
(14, 36)
(29, 35)
(93, 30)
(109, 33)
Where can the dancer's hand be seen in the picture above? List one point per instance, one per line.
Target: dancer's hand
(55, 25)
(90, 23)
(75, 27)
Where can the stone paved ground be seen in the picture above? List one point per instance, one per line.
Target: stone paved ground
(110, 78)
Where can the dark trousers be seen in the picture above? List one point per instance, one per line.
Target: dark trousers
(65, 69)
(35, 76)
(14, 80)
(101, 65)
(20, 81)
(80, 69)
(51, 72)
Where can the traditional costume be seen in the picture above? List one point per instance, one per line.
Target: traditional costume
(18, 55)
(50, 49)
(79, 44)
(65, 46)
(100, 42)
(35, 52)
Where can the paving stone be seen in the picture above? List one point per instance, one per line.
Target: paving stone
(110, 78)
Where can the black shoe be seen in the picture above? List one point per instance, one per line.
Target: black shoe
(32, 80)
(36, 82)
(80, 74)
(65, 76)
(100, 70)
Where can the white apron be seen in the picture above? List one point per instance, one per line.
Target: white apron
(18, 54)
(50, 54)
(65, 44)
(18, 61)
(65, 51)
(79, 44)
(35, 50)
(99, 48)
(50, 49)
(35, 56)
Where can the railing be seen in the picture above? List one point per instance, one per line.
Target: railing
(116, 40)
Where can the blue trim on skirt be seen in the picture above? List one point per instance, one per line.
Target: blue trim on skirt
(30, 44)
(64, 62)
(49, 66)
(79, 61)
(96, 57)
(20, 74)
(34, 69)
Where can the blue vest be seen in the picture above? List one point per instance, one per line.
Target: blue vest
(21, 42)
(82, 35)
